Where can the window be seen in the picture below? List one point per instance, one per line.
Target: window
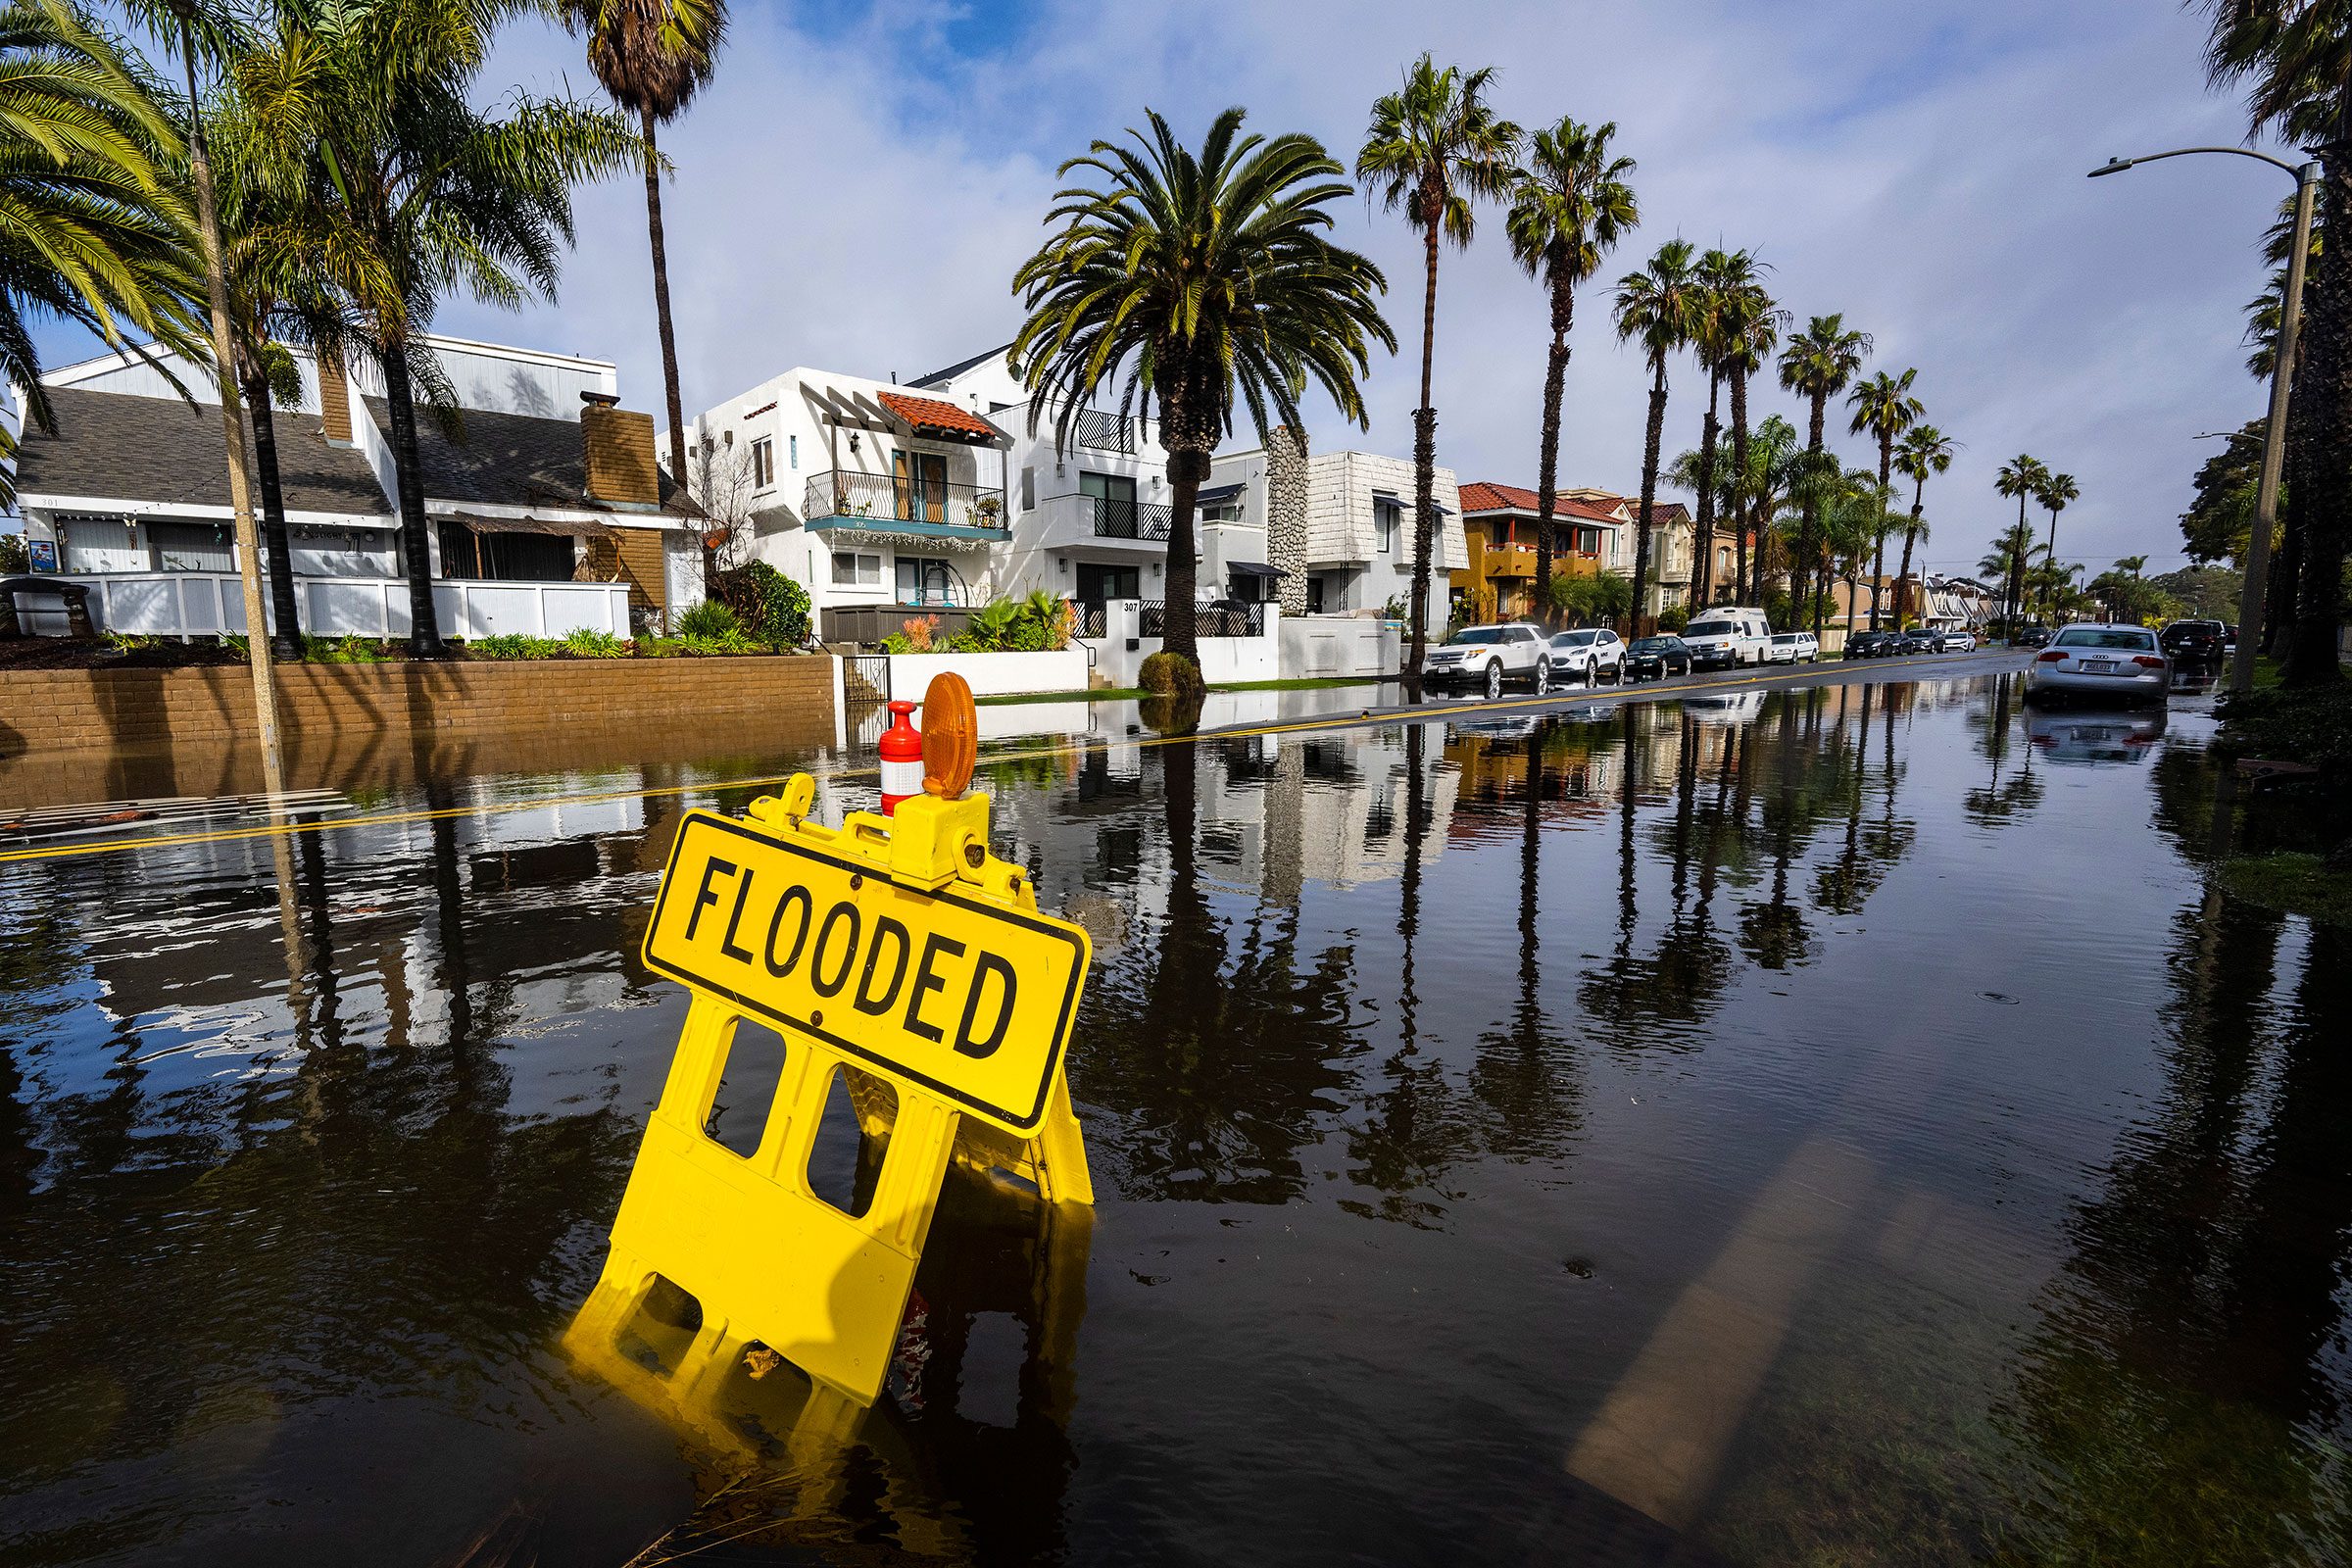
(852, 569)
(764, 462)
(1028, 489)
(191, 547)
(793, 449)
(2078, 637)
(1113, 496)
(1225, 508)
(1387, 516)
(925, 582)
(504, 556)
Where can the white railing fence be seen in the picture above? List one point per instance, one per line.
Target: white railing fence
(205, 604)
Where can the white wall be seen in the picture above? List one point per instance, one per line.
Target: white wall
(1317, 646)
(991, 674)
(1224, 660)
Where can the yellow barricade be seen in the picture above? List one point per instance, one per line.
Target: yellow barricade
(899, 947)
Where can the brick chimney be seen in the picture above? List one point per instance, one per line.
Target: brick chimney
(335, 401)
(622, 470)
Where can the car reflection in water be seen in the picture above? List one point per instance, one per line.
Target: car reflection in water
(2079, 737)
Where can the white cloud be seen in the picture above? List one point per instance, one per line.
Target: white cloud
(856, 194)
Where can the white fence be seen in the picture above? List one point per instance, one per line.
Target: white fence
(1339, 646)
(1224, 660)
(992, 674)
(205, 604)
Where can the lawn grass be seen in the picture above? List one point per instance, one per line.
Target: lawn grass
(2296, 884)
(1115, 694)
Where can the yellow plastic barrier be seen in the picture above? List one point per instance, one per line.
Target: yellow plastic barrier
(899, 947)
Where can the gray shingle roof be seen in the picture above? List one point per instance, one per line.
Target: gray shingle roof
(117, 446)
(512, 459)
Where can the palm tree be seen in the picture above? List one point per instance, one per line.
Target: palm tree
(96, 235)
(1658, 306)
(1747, 328)
(652, 56)
(1923, 451)
(1816, 365)
(370, 112)
(2297, 61)
(1885, 408)
(2057, 492)
(1569, 208)
(1434, 147)
(1760, 478)
(2021, 476)
(1187, 279)
(1722, 276)
(1853, 519)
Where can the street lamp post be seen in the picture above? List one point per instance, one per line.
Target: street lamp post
(2274, 438)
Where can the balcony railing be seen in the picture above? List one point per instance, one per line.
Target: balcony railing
(892, 498)
(1104, 431)
(1230, 618)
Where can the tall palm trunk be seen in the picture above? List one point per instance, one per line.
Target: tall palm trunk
(1809, 570)
(2325, 360)
(416, 548)
(2017, 566)
(1878, 566)
(1903, 581)
(1739, 506)
(1702, 564)
(1548, 465)
(2049, 583)
(287, 641)
(1650, 484)
(1187, 465)
(1425, 460)
(669, 341)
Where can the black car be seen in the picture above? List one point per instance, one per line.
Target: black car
(2031, 637)
(1656, 658)
(2192, 642)
(1871, 644)
(1918, 640)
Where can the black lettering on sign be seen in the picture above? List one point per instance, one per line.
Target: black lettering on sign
(867, 999)
(727, 944)
(705, 898)
(824, 944)
(794, 895)
(927, 980)
(972, 1044)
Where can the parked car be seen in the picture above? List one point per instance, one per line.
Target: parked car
(1949, 639)
(1721, 638)
(1871, 644)
(1917, 640)
(2193, 642)
(1583, 653)
(2228, 640)
(2030, 637)
(1656, 658)
(2113, 664)
(1486, 657)
(1793, 648)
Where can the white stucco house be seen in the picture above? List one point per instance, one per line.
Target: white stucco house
(1359, 555)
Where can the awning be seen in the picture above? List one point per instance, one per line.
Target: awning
(940, 420)
(1254, 568)
(1221, 492)
(561, 526)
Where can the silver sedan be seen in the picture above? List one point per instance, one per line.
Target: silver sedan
(2104, 663)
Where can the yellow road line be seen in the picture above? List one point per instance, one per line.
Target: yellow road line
(1318, 721)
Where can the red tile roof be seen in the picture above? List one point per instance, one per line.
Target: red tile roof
(1480, 496)
(944, 419)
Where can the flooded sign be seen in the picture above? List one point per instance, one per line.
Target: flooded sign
(965, 997)
(896, 958)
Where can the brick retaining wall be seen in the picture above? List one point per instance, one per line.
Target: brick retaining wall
(44, 711)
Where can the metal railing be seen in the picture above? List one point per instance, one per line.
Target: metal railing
(1094, 621)
(1226, 618)
(866, 678)
(1115, 518)
(1104, 431)
(892, 498)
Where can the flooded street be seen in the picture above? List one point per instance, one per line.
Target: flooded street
(1817, 1125)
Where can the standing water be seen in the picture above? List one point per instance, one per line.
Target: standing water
(1836, 1124)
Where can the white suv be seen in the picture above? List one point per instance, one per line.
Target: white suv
(1486, 656)
(1586, 651)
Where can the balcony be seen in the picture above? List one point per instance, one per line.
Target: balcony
(1087, 519)
(1104, 431)
(1510, 560)
(840, 501)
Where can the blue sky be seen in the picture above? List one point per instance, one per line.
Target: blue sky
(858, 184)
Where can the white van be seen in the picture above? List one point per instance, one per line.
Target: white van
(1722, 638)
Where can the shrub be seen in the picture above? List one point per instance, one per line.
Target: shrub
(1167, 675)
(896, 643)
(513, 645)
(711, 618)
(769, 607)
(14, 557)
(348, 649)
(1674, 617)
(920, 632)
(586, 644)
